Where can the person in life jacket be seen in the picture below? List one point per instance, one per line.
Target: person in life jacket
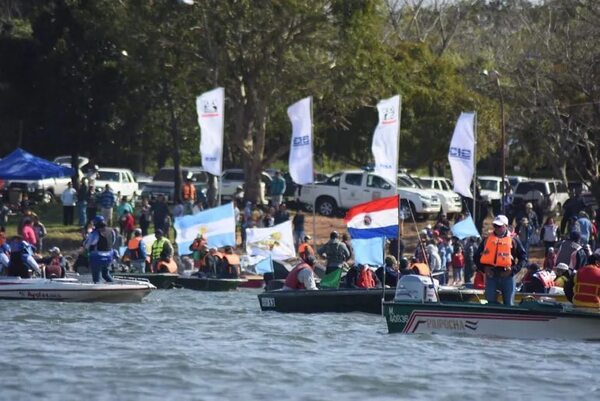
(199, 250)
(304, 249)
(500, 256)
(210, 263)
(537, 279)
(136, 252)
(419, 268)
(99, 244)
(584, 288)
(562, 275)
(335, 251)
(56, 264)
(360, 276)
(21, 259)
(188, 195)
(162, 251)
(229, 267)
(302, 276)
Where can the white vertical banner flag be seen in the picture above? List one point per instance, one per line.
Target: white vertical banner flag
(462, 154)
(211, 107)
(301, 149)
(385, 139)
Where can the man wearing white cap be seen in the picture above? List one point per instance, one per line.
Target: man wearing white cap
(500, 256)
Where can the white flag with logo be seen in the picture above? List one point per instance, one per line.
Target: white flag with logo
(210, 107)
(462, 154)
(301, 150)
(276, 241)
(385, 139)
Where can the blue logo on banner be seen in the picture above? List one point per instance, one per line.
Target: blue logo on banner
(301, 141)
(460, 153)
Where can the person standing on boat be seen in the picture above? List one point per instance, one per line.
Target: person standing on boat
(500, 256)
(302, 277)
(4, 257)
(335, 251)
(99, 244)
(136, 251)
(230, 266)
(161, 250)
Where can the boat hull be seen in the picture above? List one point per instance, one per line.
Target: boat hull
(346, 300)
(252, 281)
(325, 301)
(495, 321)
(72, 290)
(208, 284)
(162, 281)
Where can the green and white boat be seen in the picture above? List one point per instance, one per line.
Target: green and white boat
(417, 311)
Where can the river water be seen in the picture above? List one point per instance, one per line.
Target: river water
(186, 345)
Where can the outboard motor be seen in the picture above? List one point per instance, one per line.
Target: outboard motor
(414, 288)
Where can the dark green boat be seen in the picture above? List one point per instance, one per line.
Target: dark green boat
(209, 284)
(344, 300)
(162, 281)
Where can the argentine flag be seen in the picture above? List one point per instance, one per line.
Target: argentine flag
(217, 225)
(378, 218)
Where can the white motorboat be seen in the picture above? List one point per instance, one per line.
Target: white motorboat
(69, 289)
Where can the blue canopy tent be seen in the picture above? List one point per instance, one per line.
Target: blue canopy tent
(21, 165)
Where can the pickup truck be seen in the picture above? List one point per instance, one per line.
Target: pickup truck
(350, 188)
(43, 190)
(164, 182)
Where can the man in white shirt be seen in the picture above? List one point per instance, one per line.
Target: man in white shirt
(69, 200)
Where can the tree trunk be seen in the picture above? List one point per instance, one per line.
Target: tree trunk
(175, 138)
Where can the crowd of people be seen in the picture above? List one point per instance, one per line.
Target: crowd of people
(436, 253)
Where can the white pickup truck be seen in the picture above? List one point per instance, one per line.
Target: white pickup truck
(350, 188)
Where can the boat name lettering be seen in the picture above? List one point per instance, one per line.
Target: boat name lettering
(267, 302)
(446, 324)
(395, 318)
(38, 295)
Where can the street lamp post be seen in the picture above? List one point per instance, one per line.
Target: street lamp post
(495, 76)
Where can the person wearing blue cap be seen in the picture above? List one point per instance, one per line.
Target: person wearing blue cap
(99, 244)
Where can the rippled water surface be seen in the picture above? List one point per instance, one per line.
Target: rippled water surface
(186, 345)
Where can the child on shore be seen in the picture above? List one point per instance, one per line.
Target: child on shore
(458, 264)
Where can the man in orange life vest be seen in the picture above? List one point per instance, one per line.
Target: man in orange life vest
(497, 257)
(302, 276)
(586, 283)
(188, 195)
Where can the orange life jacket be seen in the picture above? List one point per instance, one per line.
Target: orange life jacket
(497, 251)
(545, 278)
(304, 250)
(133, 248)
(365, 278)
(421, 269)
(164, 266)
(586, 292)
(188, 191)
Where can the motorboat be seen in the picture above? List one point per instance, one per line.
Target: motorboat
(417, 310)
(162, 281)
(71, 289)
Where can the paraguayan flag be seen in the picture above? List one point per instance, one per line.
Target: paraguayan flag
(217, 225)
